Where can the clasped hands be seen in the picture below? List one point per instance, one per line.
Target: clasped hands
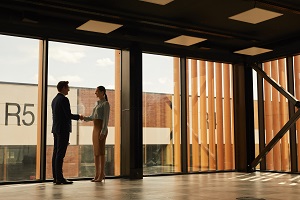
(81, 117)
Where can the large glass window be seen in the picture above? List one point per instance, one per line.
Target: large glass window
(210, 116)
(85, 68)
(161, 114)
(18, 108)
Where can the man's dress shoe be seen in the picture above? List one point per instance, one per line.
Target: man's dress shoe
(62, 182)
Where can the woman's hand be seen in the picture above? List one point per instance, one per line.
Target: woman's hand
(102, 136)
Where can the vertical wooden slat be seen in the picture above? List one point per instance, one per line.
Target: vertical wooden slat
(188, 111)
(211, 118)
(195, 139)
(276, 115)
(283, 116)
(232, 115)
(39, 111)
(169, 117)
(227, 117)
(203, 114)
(219, 117)
(117, 151)
(297, 93)
(268, 115)
(177, 154)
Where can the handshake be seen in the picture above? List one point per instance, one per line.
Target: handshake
(81, 117)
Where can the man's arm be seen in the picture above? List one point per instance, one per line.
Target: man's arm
(67, 110)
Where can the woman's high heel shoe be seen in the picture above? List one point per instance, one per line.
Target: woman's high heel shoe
(93, 180)
(104, 178)
(100, 180)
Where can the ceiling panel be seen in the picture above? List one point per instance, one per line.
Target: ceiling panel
(150, 25)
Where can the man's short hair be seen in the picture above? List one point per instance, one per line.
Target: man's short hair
(61, 85)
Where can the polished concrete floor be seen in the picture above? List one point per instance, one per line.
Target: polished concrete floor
(230, 185)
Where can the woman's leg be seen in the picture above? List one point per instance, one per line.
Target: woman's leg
(102, 159)
(96, 149)
(102, 167)
(97, 167)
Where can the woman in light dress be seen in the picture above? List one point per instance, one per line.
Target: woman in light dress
(100, 117)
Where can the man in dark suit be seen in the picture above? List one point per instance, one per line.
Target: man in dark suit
(61, 128)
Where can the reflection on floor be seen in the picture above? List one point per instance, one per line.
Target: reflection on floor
(233, 185)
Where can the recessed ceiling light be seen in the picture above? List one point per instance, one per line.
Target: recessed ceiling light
(29, 20)
(205, 48)
(98, 26)
(185, 40)
(255, 16)
(253, 51)
(159, 2)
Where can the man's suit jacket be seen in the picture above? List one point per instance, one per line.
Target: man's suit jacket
(61, 115)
